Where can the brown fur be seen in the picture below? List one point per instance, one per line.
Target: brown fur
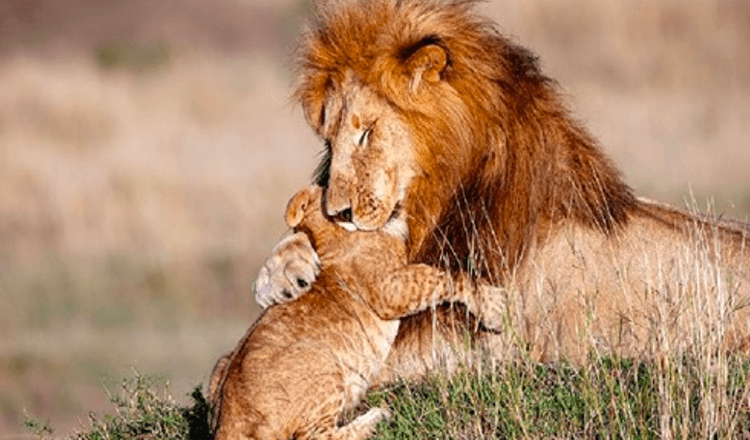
(501, 183)
(304, 362)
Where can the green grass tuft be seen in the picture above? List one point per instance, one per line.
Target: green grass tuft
(610, 398)
(141, 413)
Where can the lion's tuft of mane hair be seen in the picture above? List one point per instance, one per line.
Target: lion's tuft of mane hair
(495, 141)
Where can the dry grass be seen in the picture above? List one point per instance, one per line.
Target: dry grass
(136, 202)
(663, 84)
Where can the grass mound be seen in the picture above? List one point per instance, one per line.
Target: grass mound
(609, 398)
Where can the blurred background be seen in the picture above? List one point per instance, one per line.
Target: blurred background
(147, 150)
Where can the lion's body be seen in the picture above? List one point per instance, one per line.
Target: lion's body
(669, 282)
(636, 292)
(426, 109)
(306, 361)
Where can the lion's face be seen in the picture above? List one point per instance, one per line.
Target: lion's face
(376, 89)
(371, 156)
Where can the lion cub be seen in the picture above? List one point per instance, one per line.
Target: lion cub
(306, 361)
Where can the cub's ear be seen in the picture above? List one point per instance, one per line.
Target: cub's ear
(427, 64)
(297, 207)
(303, 205)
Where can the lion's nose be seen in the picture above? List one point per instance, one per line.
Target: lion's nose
(337, 201)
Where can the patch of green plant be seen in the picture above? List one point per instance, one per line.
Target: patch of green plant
(37, 427)
(140, 413)
(132, 55)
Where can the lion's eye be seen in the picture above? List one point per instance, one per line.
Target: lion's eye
(365, 137)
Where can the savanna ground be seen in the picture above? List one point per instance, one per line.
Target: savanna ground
(147, 150)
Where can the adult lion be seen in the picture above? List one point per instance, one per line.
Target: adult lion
(426, 109)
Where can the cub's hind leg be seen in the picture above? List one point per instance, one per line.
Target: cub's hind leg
(217, 376)
(360, 428)
(363, 426)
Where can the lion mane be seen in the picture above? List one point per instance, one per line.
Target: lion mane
(503, 165)
(509, 156)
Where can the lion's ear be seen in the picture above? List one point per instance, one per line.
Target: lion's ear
(427, 64)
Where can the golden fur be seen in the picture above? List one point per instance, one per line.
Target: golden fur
(427, 111)
(304, 362)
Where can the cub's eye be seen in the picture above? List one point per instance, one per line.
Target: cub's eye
(365, 138)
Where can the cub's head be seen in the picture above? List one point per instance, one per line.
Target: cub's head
(335, 244)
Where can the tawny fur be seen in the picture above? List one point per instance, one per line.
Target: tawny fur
(305, 362)
(499, 182)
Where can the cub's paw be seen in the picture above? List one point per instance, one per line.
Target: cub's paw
(364, 426)
(492, 305)
(288, 272)
(376, 415)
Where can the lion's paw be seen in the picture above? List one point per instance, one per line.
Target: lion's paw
(289, 272)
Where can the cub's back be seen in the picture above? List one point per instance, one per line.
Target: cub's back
(302, 363)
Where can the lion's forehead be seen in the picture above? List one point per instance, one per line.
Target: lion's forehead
(349, 104)
(351, 109)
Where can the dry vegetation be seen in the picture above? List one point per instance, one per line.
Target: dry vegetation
(146, 155)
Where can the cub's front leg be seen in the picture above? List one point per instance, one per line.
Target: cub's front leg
(294, 264)
(417, 287)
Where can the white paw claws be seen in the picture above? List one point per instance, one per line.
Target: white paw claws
(288, 273)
